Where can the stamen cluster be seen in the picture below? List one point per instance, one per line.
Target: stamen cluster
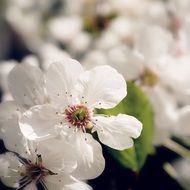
(36, 171)
(79, 116)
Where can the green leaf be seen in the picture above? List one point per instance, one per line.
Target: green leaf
(136, 104)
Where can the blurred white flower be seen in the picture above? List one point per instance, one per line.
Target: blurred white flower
(182, 168)
(130, 64)
(135, 8)
(49, 54)
(153, 42)
(175, 73)
(94, 58)
(5, 68)
(122, 26)
(157, 13)
(165, 113)
(30, 29)
(155, 68)
(107, 40)
(80, 43)
(69, 31)
(65, 29)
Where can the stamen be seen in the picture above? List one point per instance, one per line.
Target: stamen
(79, 116)
(24, 184)
(39, 160)
(42, 182)
(33, 172)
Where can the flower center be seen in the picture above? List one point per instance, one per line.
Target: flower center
(79, 116)
(37, 171)
(149, 78)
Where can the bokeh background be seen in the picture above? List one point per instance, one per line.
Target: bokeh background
(148, 42)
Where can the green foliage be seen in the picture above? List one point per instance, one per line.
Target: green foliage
(136, 104)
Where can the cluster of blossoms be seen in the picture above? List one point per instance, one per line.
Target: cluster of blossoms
(147, 41)
(47, 127)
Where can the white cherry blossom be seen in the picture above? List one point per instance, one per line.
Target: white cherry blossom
(43, 165)
(74, 94)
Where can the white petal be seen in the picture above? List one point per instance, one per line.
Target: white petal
(175, 73)
(77, 186)
(182, 125)
(5, 68)
(7, 110)
(102, 87)
(31, 186)
(57, 155)
(117, 131)
(58, 181)
(53, 186)
(90, 160)
(31, 60)
(26, 84)
(49, 54)
(94, 58)
(14, 141)
(10, 169)
(40, 122)
(61, 77)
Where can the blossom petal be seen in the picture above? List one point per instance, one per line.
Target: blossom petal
(57, 154)
(61, 77)
(77, 185)
(90, 160)
(153, 46)
(182, 125)
(9, 113)
(26, 84)
(101, 87)
(57, 182)
(165, 112)
(7, 109)
(10, 169)
(130, 64)
(117, 131)
(31, 186)
(5, 68)
(40, 122)
(14, 141)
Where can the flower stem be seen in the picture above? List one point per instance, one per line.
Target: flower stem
(179, 149)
